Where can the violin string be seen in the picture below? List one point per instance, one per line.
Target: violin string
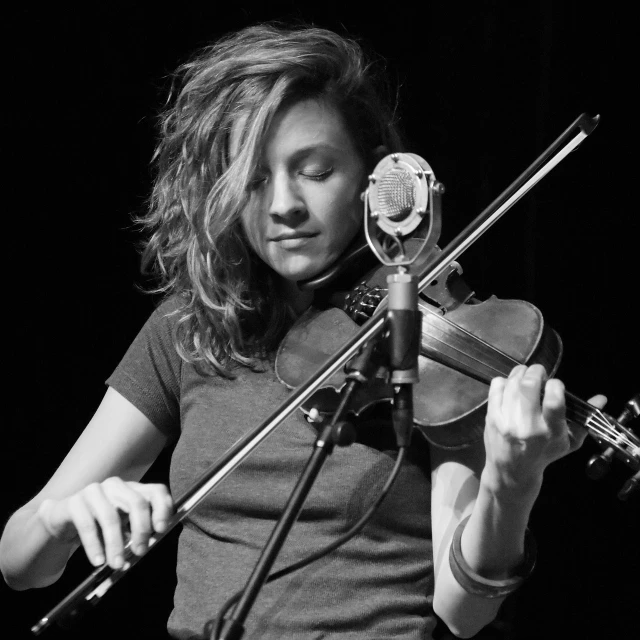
(457, 331)
(601, 424)
(446, 357)
(591, 417)
(588, 414)
(603, 427)
(615, 434)
(463, 333)
(619, 440)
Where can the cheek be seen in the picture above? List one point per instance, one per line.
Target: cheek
(252, 230)
(350, 217)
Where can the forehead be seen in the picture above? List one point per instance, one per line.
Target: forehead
(306, 125)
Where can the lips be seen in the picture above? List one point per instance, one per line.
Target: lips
(293, 236)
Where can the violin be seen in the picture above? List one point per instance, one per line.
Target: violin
(465, 343)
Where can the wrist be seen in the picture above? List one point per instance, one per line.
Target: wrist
(489, 587)
(63, 535)
(507, 489)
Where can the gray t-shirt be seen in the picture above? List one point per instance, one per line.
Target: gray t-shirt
(378, 585)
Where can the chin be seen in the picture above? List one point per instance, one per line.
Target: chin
(294, 273)
(299, 276)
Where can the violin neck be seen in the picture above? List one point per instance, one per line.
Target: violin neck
(579, 411)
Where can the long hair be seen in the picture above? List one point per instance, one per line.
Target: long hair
(230, 305)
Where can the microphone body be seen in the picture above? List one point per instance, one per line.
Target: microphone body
(404, 323)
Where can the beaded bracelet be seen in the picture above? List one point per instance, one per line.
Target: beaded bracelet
(474, 583)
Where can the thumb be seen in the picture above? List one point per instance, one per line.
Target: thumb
(598, 401)
(578, 434)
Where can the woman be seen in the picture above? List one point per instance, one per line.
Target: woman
(263, 157)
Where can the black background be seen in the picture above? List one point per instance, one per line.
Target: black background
(484, 88)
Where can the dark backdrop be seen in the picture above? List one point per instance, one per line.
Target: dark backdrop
(484, 88)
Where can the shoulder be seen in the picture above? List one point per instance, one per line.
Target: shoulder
(163, 322)
(150, 373)
(154, 349)
(168, 311)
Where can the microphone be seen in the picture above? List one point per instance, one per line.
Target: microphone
(399, 193)
(403, 197)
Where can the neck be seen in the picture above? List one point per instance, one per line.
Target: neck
(299, 300)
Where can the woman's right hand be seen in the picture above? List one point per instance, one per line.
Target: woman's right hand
(99, 515)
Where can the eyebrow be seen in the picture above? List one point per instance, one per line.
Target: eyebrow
(302, 152)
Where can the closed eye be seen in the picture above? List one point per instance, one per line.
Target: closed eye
(317, 175)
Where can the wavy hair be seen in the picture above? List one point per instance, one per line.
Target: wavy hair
(230, 306)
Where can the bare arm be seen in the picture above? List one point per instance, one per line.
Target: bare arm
(496, 532)
(95, 480)
(496, 483)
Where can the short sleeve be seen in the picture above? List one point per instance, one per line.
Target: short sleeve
(150, 372)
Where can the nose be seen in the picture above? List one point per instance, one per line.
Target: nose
(286, 201)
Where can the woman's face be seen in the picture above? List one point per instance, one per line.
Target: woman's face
(305, 204)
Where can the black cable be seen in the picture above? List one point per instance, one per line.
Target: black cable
(345, 537)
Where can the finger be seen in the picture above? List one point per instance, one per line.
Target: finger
(136, 506)
(109, 520)
(537, 372)
(554, 407)
(161, 504)
(577, 435)
(517, 372)
(510, 397)
(83, 520)
(598, 401)
(531, 386)
(523, 400)
(494, 402)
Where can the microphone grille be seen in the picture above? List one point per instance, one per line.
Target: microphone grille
(396, 194)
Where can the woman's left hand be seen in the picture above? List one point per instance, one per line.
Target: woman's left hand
(523, 434)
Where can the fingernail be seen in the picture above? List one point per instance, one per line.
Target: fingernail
(118, 562)
(161, 525)
(98, 560)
